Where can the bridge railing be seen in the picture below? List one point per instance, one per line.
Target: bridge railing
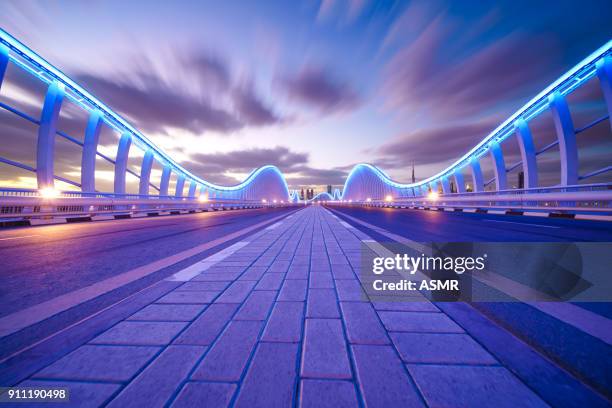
(131, 144)
(25, 204)
(465, 178)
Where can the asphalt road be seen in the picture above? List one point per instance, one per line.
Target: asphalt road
(444, 226)
(40, 263)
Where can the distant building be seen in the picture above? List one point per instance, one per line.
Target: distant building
(521, 179)
(329, 189)
(302, 195)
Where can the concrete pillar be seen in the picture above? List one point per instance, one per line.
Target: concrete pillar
(567, 139)
(46, 134)
(528, 153)
(459, 180)
(123, 153)
(501, 179)
(604, 73)
(445, 185)
(180, 182)
(145, 173)
(90, 147)
(476, 175)
(192, 189)
(165, 181)
(4, 60)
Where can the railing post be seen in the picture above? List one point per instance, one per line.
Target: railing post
(90, 147)
(165, 181)
(145, 173)
(604, 73)
(501, 180)
(476, 175)
(528, 153)
(567, 139)
(192, 189)
(4, 60)
(123, 152)
(445, 185)
(46, 134)
(180, 182)
(459, 180)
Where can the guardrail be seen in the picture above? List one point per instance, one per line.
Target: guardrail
(585, 199)
(24, 204)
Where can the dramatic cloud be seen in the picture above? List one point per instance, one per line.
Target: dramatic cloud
(318, 88)
(430, 76)
(212, 101)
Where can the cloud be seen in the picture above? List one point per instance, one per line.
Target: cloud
(251, 109)
(317, 88)
(445, 73)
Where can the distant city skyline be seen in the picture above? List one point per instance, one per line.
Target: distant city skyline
(313, 87)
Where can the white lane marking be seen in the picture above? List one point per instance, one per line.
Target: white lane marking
(346, 225)
(194, 270)
(584, 320)
(274, 225)
(25, 236)
(25, 317)
(524, 223)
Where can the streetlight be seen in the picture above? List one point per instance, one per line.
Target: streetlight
(48, 192)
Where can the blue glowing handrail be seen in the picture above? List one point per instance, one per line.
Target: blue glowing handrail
(568, 82)
(322, 194)
(39, 67)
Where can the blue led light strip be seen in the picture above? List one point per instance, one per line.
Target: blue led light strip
(31, 62)
(566, 84)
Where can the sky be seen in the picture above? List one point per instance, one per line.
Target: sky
(311, 86)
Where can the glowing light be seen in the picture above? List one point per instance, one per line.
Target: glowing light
(203, 198)
(388, 198)
(48, 192)
(282, 201)
(263, 200)
(433, 195)
(274, 201)
(369, 200)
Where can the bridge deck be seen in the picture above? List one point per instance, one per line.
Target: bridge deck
(284, 321)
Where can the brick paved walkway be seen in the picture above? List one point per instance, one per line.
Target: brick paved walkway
(283, 322)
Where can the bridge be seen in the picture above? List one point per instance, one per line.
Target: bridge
(188, 293)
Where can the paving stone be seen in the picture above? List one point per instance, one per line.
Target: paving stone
(327, 394)
(237, 292)
(419, 322)
(297, 272)
(362, 324)
(405, 306)
(321, 280)
(140, 333)
(204, 286)
(82, 394)
(188, 297)
(179, 313)
(382, 379)
(324, 353)
(441, 348)
(208, 325)
(322, 303)
(279, 266)
(214, 277)
(253, 273)
(342, 272)
(350, 290)
(209, 395)
(100, 363)
(228, 357)
(270, 281)
(257, 306)
(472, 386)
(293, 290)
(271, 378)
(158, 382)
(285, 323)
